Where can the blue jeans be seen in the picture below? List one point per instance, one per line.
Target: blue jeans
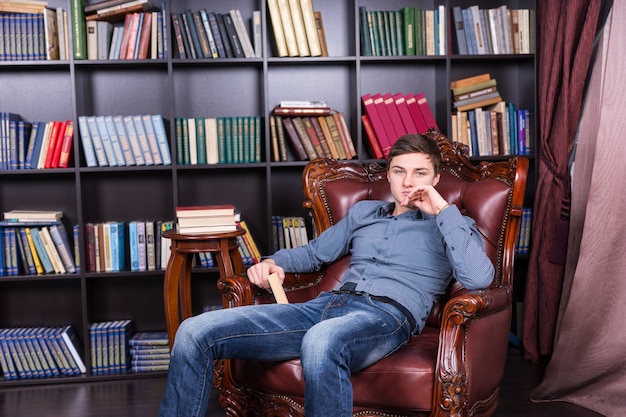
(333, 335)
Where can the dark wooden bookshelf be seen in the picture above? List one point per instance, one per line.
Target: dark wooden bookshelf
(174, 87)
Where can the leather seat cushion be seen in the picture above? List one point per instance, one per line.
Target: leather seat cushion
(375, 386)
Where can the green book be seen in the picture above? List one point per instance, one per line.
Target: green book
(364, 27)
(221, 140)
(201, 140)
(408, 14)
(400, 31)
(178, 125)
(185, 136)
(257, 139)
(419, 31)
(79, 30)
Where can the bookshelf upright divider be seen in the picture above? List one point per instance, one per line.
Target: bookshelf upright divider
(178, 88)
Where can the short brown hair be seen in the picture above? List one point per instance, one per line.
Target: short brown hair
(416, 143)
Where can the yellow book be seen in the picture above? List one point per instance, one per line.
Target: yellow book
(256, 254)
(36, 259)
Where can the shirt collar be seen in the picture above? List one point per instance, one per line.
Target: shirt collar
(387, 209)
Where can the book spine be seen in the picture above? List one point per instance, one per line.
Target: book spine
(61, 241)
(301, 111)
(79, 31)
(148, 126)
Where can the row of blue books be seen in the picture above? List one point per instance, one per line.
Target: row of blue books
(40, 352)
(36, 248)
(107, 245)
(109, 342)
(498, 30)
(218, 140)
(124, 140)
(29, 36)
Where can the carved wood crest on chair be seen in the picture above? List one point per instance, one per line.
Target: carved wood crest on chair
(454, 367)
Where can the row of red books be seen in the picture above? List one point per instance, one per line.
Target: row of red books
(388, 116)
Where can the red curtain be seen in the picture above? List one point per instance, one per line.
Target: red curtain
(566, 32)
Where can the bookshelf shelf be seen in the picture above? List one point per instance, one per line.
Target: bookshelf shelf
(224, 87)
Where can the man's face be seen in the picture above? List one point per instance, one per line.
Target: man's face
(407, 171)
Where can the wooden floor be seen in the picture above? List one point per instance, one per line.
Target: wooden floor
(141, 397)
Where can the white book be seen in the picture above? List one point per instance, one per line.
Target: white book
(506, 29)
(495, 31)
(51, 250)
(212, 149)
(298, 28)
(310, 27)
(441, 48)
(115, 39)
(257, 35)
(191, 137)
(92, 39)
(61, 33)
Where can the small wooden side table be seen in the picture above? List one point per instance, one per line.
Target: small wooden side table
(177, 285)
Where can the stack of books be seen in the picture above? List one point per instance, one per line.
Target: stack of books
(388, 116)
(124, 140)
(204, 34)
(412, 30)
(149, 352)
(109, 346)
(207, 219)
(298, 28)
(35, 242)
(313, 130)
(40, 352)
(29, 30)
(473, 92)
(495, 31)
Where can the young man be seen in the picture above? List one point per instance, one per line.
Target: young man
(403, 255)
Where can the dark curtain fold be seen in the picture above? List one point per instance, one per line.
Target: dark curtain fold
(566, 32)
(587, 366)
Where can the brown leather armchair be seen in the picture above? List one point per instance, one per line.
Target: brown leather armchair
(454, 367)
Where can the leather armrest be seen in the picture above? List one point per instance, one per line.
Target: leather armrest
(474, 335)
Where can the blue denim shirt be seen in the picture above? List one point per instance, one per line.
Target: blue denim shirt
(410, 258)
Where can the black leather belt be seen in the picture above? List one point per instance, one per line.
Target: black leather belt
(349, 288)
